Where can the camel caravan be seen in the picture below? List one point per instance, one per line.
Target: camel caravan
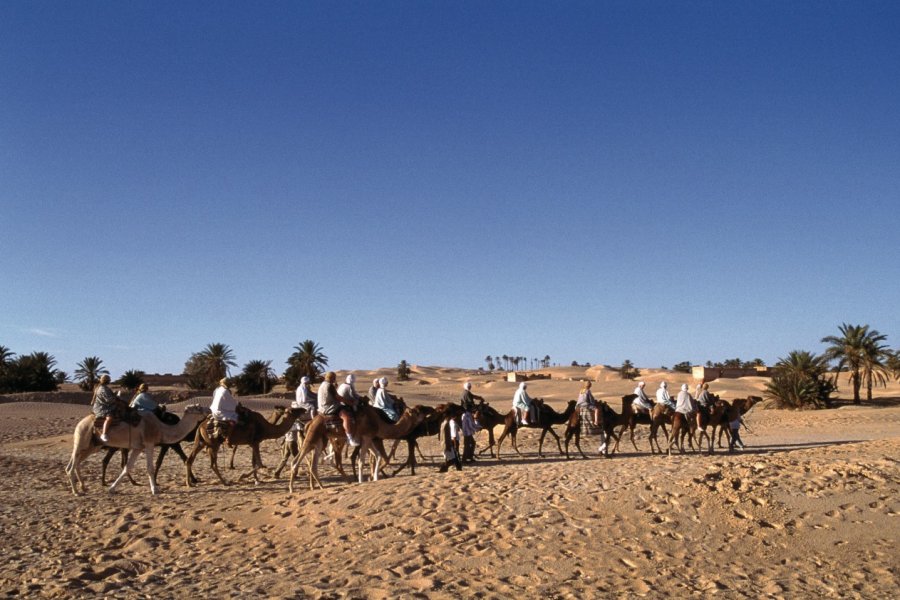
(337, 423)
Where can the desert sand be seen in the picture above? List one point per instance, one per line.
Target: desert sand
(810, 508)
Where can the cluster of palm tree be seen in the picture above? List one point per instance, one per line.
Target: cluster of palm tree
(865, 356)
(308, 360)
(628, 370)
(800, 380)
(88, 372)
(35, 372)
(512, 363)
(204, 369)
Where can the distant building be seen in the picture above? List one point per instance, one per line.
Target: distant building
(517, 376)
(713, 373)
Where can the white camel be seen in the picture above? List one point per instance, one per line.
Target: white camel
(143, 437)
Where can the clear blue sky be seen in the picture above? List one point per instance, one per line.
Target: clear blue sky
(438, 181)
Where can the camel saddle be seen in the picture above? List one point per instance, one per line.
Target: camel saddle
(128, 415)
(334, 424)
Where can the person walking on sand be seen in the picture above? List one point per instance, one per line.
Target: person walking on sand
(469, 428)
(641, 404)
(450, 434)
(523, 405)
(663, 397)
(330, 405)
(107, 405)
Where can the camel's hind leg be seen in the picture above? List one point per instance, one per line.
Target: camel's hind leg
(73, 470)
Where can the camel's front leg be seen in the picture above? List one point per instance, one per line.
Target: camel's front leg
(214, 463)
(195, 450)
(151, 471)
(556, 435)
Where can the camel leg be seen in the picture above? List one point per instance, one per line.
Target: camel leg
(195, 450)
(633, 443)
(132, 458)
(491, 442)
(556, 435)
(74, 470)
(233, 452)
(506, 431)
(289, 449)
(394, 448)
(541, 442)
(151, 471)
(214, 462)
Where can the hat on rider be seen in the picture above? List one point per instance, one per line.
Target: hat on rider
(351, 379)
(663, 384)
(383, 381)
(467, 385)
(304, 379)
(684, 387)
(641, 384)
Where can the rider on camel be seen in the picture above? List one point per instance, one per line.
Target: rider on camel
(663, 397)
(524, 406)
(106, 404)
(385, 402)
(330, 405)
(641, 404)
(224, 410)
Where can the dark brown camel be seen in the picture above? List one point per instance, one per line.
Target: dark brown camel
(608, 423)
(167, 418)
(548, 418)
(714, 418)
(682, 426)
(488, 418)
(738, 408)
(431, 425)
(251, 431)
(633, 419)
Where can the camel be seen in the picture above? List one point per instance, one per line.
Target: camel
(489, 417)
(548, 418)
(682, 426)
(716, 418)
(276, 414)
(738, 408)
(169, 419)
(147, 434)
(370, 426)
(430, 425)
(632, 419)
(609, 420)
(250, 432)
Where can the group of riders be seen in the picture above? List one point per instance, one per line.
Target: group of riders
(340, 403)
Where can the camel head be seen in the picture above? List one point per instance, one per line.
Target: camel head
(296, 413)
(197, 409)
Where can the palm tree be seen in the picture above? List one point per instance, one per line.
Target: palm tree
(205, 368)
(505, 361)
(849, 350)
(89, 371)
(258, 377)
(5, 355)
(307, 360)
(546, 360)
(799, 380)
(488, 360)
(875, 370)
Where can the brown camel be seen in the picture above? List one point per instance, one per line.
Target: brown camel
(715, 418)
(682, 426)
(251, 431)
(169, 419)
(369, 426)
(548, 418)
(633, 419)
(143, 437)
(609, 420)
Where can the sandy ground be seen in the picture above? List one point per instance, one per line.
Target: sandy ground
(809, 509)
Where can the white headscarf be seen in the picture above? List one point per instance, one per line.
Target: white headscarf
(383, 381)
(467, 385)
(663, 385)
(304, 380)
(351, 379)
(684, 387)
(641, 384)
(376, 382)
(523, 385)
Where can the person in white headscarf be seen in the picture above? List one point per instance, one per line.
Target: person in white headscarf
(523, 405)
(348, 394)
(642, 403)
(224, 406)
(373, 390)
(663, 397)
(303, 398)
(467, 399)
(385, 402)
(685, 402)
